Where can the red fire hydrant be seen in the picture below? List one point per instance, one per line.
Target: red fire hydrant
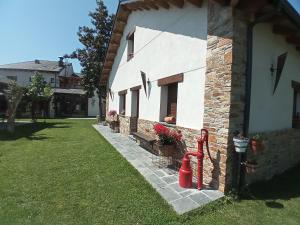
(185, 172)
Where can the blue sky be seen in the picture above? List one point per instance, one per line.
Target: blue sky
(43, 29)
(46, 29)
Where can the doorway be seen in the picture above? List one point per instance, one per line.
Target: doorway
(135, 109)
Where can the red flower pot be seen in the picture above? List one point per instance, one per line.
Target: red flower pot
(256, 146)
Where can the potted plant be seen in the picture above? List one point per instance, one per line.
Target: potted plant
(251, 166)
(240, 143)
(167, 140)
(114, 120)
(170, 119)
(256, 143)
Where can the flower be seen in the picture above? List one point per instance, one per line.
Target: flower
(112, 113)
(167, 136)
(113, 116)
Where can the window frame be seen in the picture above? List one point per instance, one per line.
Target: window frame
(165, 84)
(122, 102)
(130, 44)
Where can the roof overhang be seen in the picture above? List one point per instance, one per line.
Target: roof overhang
(286, 20)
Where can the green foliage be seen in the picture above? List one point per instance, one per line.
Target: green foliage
(37, 90)
(257, 137)
(95, 41)
(38, 87)
(13, 95)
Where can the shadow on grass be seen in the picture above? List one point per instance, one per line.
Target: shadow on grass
(282, 187)
(28, 131)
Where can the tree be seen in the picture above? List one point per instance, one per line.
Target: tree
(38, 90)
(13, 95)
(95, 41)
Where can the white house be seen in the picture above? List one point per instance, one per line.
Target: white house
(23, 71)
(215, 64)
(61, 77)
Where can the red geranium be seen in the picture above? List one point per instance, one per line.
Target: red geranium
(167, 136)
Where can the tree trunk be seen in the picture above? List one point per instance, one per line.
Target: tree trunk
(33, 106)
(11, 124)
(100, 107)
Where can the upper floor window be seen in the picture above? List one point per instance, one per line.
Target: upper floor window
(52, 80)
(296, 105)
(15, 78)
(130, 45)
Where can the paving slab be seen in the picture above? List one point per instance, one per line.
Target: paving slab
(163, 180)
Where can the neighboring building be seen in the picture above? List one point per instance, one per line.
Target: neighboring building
(50, 70)
(3, 104)
(69, 98)
(208, 63)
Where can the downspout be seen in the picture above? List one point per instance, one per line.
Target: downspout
(248, 84)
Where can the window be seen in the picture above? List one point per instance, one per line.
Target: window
(30, 80)
(130, 45)
(122, 102)
(296, 105)
(169, 92)
(172, 99)
(52, 80)
(12, 78)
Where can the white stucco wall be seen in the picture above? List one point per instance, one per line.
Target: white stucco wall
(23, 76)
(93, 106)
(167, 42)
(272, 112)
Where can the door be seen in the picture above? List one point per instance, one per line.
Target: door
(135, 110)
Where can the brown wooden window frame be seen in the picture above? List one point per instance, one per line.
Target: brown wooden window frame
(170, 82)
(136, 90)
(122, 100)
(170, 100)
(178, 78)
(130, 44)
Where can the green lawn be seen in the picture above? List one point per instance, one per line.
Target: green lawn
(64, 172)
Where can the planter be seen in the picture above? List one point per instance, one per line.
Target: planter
(251, 167)
(170, 119)
(241, 144)
(113, 124)
(116, 129)
(256, 146)
(166, 150)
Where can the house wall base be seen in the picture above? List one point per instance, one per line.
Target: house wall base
(124, 125)
(280, 152)
(127, 124)
(212, 171)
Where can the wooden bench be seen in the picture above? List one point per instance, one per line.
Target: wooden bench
(146, 141)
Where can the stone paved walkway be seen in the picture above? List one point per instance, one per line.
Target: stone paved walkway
(164, 180)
